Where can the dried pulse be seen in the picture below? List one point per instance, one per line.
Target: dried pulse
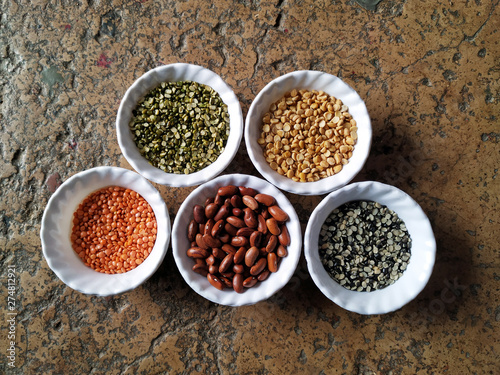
(181, 127)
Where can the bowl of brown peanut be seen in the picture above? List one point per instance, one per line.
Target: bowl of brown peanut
(236, 240)
(308, 132)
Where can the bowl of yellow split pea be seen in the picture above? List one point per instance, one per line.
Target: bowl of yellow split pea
(308, 132)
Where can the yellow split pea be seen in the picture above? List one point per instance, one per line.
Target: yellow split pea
(308, 135)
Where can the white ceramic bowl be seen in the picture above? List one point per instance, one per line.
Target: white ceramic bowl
(423, 249)
(56, 229)
(174, 73)
(200, 284)
(311, 80)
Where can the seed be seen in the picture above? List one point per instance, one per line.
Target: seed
(305, 124)
(132, 239)
(251, 251)
(369, 258)
(181, 127)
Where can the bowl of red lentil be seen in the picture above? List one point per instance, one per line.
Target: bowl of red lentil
(308, 132)
(369, 248)
(105, 231)
(225, 251)
(179, 125)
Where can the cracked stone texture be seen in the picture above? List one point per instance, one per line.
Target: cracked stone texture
(429, 74)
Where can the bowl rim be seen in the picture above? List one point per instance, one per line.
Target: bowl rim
(422, 259)
(178, 72)
(200, 284)
(56, 227)
(332, 85)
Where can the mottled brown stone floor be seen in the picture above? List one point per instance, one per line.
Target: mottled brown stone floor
(430, 75)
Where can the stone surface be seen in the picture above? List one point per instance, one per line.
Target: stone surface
(430, 76)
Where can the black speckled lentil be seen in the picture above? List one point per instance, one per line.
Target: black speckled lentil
(364, 246)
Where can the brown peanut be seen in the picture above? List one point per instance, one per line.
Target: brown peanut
(249, 218)
(237, 238)
(199, 214)
(281, 251)
(238, 283)
(238, 268)
(211, 241)
(239, 241)
(272, 262)
(256, 238)
(249, 282)
(273, 227)
(202, 269)
(271, 243)
(200, 242)
(192, 230)
(218, 253)
(217, 228)
(214, 280)
(211, 210)
(265, 199)
(228, 190)
(278, 213)
(247, 191)
(251, 256)
(236, 201)
(197, 252)
(223, 212)
(258, 267)
(263, 275)
(284, 236)
(239, 256)
(250, 202)
(235, 221)
(226, 263)
(245, 232)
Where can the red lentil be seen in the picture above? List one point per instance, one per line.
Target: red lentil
(114, 230)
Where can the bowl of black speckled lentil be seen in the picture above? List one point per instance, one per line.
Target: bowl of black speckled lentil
(369, 247)
(179, 125)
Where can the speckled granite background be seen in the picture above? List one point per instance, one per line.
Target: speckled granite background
(430, 75)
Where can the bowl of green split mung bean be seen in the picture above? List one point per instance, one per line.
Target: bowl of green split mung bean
(179, 125)
(369, 247)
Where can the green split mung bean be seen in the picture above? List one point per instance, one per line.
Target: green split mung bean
(181, 127)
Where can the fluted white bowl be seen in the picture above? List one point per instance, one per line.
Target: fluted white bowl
(310, 80)
(57, 223)
(423, 249)
(174, 73)
(200, 284)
